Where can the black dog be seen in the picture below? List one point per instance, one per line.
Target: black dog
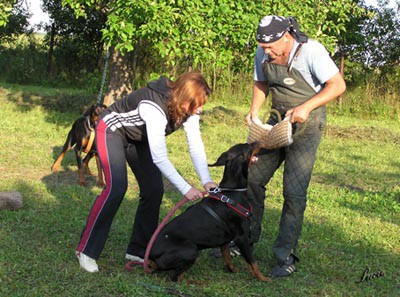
(81, 136)
(216, 220)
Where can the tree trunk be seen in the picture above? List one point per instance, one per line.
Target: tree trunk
(120, 79)
(339, 99)
(51, 49)
(10, 200)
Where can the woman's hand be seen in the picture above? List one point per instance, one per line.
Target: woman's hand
(194, 194)
(210, 185)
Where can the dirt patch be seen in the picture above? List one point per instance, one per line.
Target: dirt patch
(363, 133)
(220, 114)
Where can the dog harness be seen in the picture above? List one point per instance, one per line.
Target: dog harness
(231, 203)
(236, 207)
(91, 139)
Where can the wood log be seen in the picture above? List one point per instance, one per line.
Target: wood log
(10, 200)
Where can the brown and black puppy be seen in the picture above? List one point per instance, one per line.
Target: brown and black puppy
(213, 222)
(81, 137)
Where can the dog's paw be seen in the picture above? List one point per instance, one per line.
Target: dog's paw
(100, 183)
(153, 266)
(83, 183)
(87, 170)
(257, 273)
(232, 268)
(263, 278)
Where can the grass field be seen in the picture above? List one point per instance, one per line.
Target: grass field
(351, 227)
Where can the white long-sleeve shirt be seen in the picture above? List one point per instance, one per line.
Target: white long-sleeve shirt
(156, 122)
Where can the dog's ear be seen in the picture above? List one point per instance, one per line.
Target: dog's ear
(89, 111)
(97, 110)
(221, 161)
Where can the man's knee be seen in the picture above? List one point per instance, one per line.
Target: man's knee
(295, 202)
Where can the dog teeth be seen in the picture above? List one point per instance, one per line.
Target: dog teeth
(254, 159)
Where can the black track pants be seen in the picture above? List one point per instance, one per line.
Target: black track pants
(114, 152)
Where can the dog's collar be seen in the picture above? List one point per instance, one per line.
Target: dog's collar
(219, 190)
(91, 138)
(90, 142)
(89, 124)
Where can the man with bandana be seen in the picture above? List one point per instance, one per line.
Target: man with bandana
(302, 79)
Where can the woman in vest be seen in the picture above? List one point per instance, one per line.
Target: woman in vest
(302, 79)
(133, 130)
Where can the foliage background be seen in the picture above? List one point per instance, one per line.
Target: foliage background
(215, 37)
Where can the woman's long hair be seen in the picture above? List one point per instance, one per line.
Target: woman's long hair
(189, 87)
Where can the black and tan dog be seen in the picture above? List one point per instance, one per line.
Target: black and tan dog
(81, 137)
(216, 220)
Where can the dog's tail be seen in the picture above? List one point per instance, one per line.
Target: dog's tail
(68, 142)
(67, 146)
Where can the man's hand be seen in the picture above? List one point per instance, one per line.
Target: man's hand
(298, 114)
(250, 116)
(334, 87)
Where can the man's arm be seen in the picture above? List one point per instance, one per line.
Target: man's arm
(333, 88)
(260, 92)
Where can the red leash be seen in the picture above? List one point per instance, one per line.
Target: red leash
(153, 238)
(129, 265)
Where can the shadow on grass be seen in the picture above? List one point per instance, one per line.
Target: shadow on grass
(372, 190)
(68, 171)
(62, 107)
(38, 243)
(48, 226)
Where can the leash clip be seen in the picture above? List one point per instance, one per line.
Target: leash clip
(214, 190)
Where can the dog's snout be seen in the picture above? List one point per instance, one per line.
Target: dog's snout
(256, 147)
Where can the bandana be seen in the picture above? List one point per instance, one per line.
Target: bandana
(271, 28)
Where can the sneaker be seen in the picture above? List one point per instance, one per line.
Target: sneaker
(87, 263)
(216, 253)
(286, 268)
(133, 258)
(235, 252)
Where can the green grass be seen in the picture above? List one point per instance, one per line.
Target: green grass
(351, 222)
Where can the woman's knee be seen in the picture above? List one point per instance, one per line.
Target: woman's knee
(154, 190)
(118, 187)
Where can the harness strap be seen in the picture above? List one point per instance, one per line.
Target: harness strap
(296, 53)
(91, 137)
(237, 207)
(216, 217)
(90, 142)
